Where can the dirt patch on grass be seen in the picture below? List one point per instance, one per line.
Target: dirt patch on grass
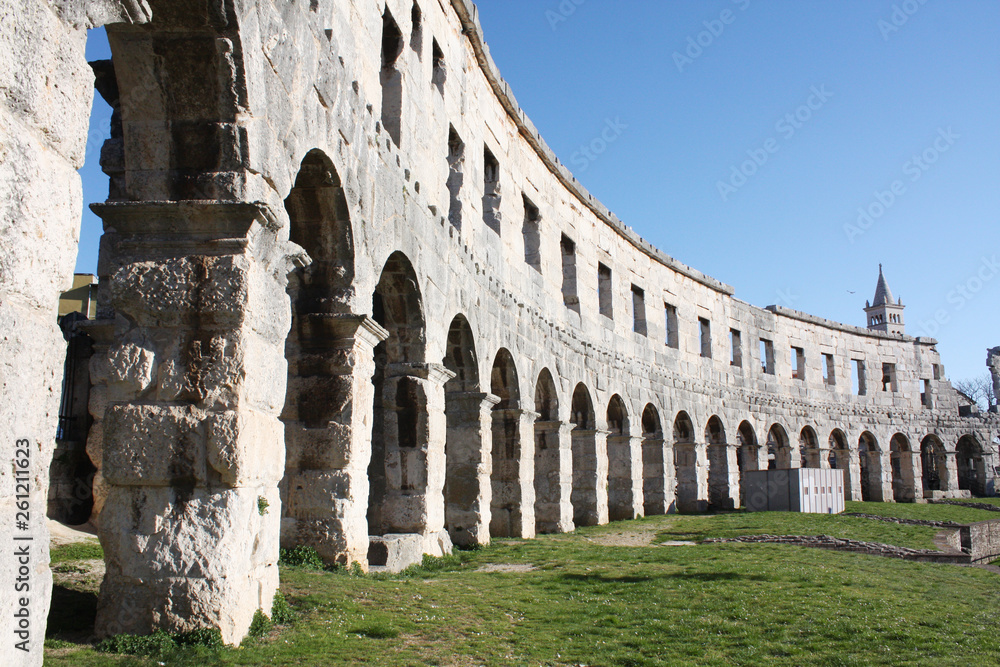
(625, 538)
(81, 575)
(507, 568)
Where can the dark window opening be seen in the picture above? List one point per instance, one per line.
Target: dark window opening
(570, 296)
(417, 31)
(672, 335)
(638, 310)
(829, 370)
(456, 177)
(391, 78)
(767, 356)
(531, 232)
(491, 191)
(705, 328)
(889, 378)
(605, 291)
(736, 348)
(860, 381)
(440, 74)
(798, 363)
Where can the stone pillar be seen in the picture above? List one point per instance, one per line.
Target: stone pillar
(553, 477)
(655, 475)
(691, 462)
(468, 490)
(415, 458)
(950, 477)
(513, 504)
(917, 476)
(885, 461)
(193, 449)
(733, 467)
(590, 477)
(625, 493)
(328, 436)
(854, 466)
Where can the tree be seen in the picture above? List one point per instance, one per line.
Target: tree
(979, 389)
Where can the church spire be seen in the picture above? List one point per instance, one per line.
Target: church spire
(885, 313)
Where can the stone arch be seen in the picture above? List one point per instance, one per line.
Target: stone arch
(686, 468)
(901, 463)
(398, 471)
(654, 469)
(779, 450)
(553, 513)
(508, 507)
(809, 448)
(623, 501)
(467, 440)
(840, 459)
(748, 454)
(934, 465)
(971, 466)
(870, 460)
(325, 399)
(720, 491)
(590, 494)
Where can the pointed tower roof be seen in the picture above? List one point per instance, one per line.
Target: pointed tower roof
(883, 295)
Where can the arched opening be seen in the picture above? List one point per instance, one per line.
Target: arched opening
(552, 487)
(901, 462)
(809, 448)
(507, 507)
(934, 464)
(654, 469)
(748, 455)
(779, 451)
(720, 493)
(325, 436)
(686, 465)
(870, 459)
(622, 499)
(971, 467)
(840, 459)
(466, 447)
(587, 482)
(397, 473)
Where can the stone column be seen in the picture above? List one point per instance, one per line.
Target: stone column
(885, 461)
(950, 477)
(590, 477)
(468, 490)
(625, 479)
(691, 461)
(415, 469)
(553, 477)
(854, 466)
(192, 445)
(328, 436)
(733, 468)
(513, 504)
(655, 474)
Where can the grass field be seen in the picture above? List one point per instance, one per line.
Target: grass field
(611, 596)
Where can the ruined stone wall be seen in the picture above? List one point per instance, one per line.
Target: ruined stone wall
(322, 313)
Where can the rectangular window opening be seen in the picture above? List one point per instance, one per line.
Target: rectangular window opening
(532, 235)
(925, 396)
(767, 356)
(639, 310)
(829, 370)
(605, 292)
(417, 31)
(491, 191)
(736, 348)
(456, 177)
(391, 78)
(889, 378)
(672, 336)
(798, 363)
(570, 296)
(705, 328)
(440, 74)
(860, 381)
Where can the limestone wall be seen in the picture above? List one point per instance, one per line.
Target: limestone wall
(316, 288)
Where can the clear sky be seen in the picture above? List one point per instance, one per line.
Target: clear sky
(750, 136)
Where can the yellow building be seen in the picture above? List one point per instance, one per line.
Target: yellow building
(82, 298)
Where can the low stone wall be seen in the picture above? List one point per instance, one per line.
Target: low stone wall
(983, 541)
(854, 546)
(906, 522)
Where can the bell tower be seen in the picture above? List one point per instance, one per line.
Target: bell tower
(885, 313)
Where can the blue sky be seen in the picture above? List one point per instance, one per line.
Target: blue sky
(750, 137)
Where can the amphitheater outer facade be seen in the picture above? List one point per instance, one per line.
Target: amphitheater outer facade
(350, 299)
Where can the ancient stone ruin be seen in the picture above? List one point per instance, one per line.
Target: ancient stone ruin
(993, 362)
(350, 299)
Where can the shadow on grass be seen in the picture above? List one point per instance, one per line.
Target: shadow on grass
(707, 577)
(72, 614)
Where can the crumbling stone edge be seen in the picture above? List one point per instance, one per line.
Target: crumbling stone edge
(853, 546)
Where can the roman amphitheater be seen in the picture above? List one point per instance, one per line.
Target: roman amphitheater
(342, 275)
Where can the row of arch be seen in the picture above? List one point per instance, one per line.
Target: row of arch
(507, 468)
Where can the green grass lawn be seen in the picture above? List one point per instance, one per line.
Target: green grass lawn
(588, 602)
